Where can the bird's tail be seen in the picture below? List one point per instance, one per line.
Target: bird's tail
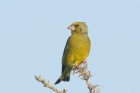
(64, 77)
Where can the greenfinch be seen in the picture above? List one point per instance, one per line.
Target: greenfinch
(76, 49)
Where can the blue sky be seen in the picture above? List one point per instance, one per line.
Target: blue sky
(33, 35)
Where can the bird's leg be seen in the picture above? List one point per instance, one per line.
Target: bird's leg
(75, 68)
(85, 63)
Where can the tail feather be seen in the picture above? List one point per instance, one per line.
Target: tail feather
(67, 78)
(64, 77)
(58, 81)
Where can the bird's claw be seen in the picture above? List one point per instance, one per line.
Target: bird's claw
(76, 68)
(85, 63)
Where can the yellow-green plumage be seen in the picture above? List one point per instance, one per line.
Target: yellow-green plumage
(76, 49)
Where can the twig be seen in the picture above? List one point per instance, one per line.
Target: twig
(47, 84)
(85, 74)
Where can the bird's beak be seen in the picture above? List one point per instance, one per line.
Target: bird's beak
(71, 27)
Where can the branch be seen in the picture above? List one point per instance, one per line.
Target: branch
(47, 84)
(85, 75)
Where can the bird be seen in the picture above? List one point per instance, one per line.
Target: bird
(76, 50)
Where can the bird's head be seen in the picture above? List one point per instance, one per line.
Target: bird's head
(78, 28)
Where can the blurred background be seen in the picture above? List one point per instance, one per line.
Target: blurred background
(33, 34)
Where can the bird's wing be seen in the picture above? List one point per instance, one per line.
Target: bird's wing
(64, 54)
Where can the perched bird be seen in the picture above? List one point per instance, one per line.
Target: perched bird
(76, 49)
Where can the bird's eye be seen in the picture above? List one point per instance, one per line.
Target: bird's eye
(76, 25)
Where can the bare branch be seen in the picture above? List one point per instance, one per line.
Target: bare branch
(47, 84)
(85, 75)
